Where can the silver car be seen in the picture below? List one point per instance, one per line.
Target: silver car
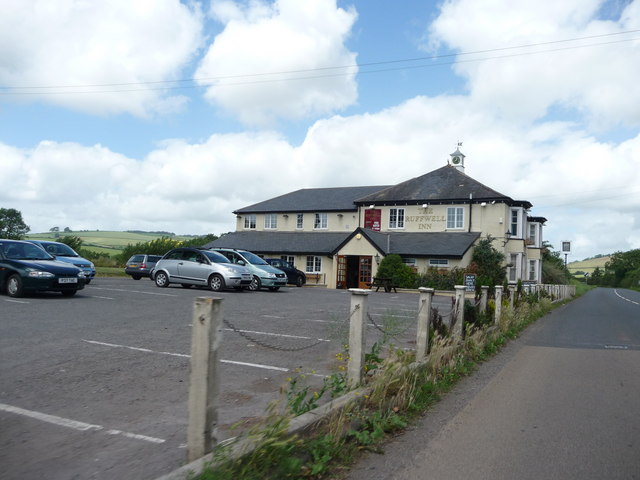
(191, 266)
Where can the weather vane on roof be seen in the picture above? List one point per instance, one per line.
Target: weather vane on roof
(459, 144)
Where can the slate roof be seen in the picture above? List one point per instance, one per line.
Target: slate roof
(444, 185)
(334, 199)
(310, 243)
(432, 245)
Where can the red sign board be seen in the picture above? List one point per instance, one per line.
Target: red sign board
(372, 219)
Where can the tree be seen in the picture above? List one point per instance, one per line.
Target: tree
(393, 267)
(11, 224)
(488, 263)
(73, 241)
(554, 270)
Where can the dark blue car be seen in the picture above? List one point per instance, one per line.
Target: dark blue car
(25, 267)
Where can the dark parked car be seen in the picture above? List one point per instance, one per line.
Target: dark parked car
(140, 265)
(25, 267)
(294, 276)
(65, 253)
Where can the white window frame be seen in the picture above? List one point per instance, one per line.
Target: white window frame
(513, 270)
(396, 218)
(250, 221)
(514, 227)
(313, 264)
(288, 258)
(439, 262)
(320, 222)
(270, 221)
(533, 270)
(455, 218)
(300, 221)
(533, 234)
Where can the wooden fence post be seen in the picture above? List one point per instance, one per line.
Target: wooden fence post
(458, 328)
(498, 311)
(357, 336)
(424, 322)
(204, 389)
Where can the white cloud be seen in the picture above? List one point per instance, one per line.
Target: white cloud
(587, 189)
(120, 43)
(243, 65)
(598, 81)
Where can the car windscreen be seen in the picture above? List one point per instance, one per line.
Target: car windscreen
(253, 259)
(23, 251)
(59, 249)
(216, 257)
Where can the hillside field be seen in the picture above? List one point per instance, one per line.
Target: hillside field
(111, 243)
(588, 265)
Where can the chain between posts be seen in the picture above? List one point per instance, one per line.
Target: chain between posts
(385, 332)
(264, 344)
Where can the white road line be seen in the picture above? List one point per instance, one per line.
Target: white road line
(624, 298)
(15, 301)
(73, 424)
(146, 350)
(103, 298)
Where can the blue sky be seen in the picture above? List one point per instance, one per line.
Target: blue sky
(168, 115)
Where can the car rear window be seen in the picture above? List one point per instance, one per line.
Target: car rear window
(136, 258)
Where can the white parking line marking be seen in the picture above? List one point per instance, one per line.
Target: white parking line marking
(104, 298)
(15, 301)
(277, 335)
(146, 350)
(134, 291)
(73, 424)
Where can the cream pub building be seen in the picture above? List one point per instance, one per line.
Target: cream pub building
(338, 236)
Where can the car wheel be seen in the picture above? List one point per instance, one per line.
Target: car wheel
(136, 277)
(14, 286)
(255, 284)
(162, 280)
(216, 282)
(87, 281)
(299, 281)
(69, 293)
(274, 289)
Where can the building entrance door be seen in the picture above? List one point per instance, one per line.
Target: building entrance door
(354, 271)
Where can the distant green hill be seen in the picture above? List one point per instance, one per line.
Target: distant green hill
(105, 241)
(588, 265)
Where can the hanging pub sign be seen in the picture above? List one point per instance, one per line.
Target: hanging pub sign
(566, 246)
(373, 219)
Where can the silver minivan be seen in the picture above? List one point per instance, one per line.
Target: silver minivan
(192, 266)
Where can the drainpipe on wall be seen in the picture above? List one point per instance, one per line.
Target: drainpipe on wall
(470, 207)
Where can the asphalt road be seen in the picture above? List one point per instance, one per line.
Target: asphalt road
(96, 386)
(560, 402)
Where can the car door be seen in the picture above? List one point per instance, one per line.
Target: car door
(194, 268)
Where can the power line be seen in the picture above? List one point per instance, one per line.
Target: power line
(171, 84)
